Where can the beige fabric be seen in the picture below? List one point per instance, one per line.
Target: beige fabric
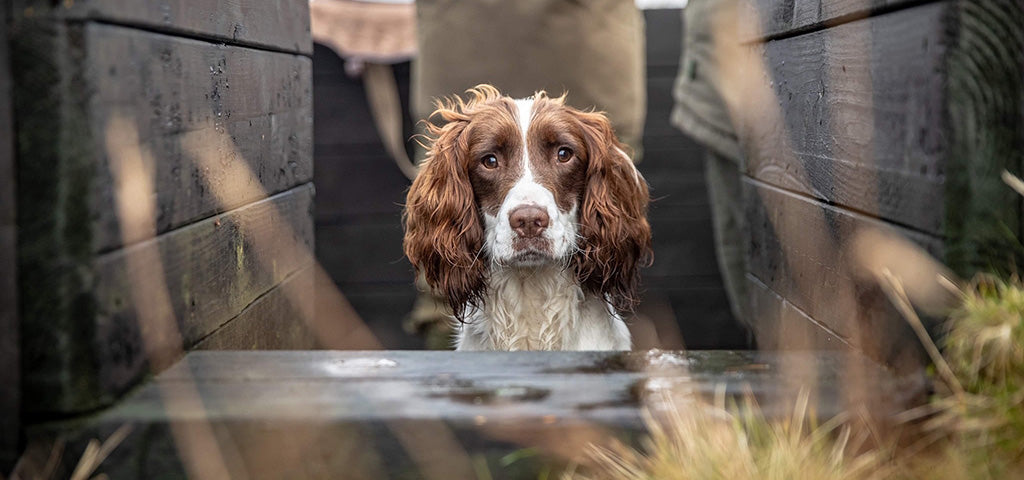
(593, 49)
(371, 32)
(700, 111)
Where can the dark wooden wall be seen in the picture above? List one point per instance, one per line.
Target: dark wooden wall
(360, 193)
(892, 115)
(9, 352)
(684, 282)
(215, 102)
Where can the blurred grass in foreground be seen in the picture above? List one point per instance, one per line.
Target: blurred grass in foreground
(972, 428)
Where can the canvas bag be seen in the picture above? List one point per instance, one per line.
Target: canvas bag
(592, 49)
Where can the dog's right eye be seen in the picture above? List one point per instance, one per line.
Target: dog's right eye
(489, 161)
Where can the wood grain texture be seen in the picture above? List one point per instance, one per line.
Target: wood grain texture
(48, 263)
(783, 327)
(202, 111)
(790, 17)
(273, 321)
(10, 356)
(863, 117)
(212, 270)
(801, 249)
(272, 24)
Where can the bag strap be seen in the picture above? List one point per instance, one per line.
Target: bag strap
(386, 108)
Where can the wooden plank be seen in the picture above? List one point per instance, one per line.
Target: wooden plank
(365, 251)
(700, 309)
(780, 18)
(383, 306)
(781, 326)
(676, 192)
(10, 350)
(272, 24)
(204, 112)
(405, 407)
(863, 119)
(212, 271)
(355, 188)
(682, 244)
(10, 356)
(274, 321)
(663, 31)
(801, 249)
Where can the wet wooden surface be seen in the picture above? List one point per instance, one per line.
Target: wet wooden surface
(261, 406)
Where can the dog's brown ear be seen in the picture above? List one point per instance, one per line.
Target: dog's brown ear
(615, 235)
(443, 233)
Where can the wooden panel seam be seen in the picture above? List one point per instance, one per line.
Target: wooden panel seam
(810, 16)
(272, 25)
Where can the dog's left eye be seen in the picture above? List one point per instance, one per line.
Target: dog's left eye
(564, 154)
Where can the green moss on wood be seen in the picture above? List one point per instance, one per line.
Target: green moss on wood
(55, 171)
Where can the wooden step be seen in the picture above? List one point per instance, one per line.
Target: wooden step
(429, 414)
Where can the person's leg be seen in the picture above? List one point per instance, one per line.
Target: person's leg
(729, 228)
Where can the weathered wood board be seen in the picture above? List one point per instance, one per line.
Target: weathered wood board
(907, 111)
(782, 326)
(404, 414)
(801, 249)
(269, 322)
(212, 269)
(862, 106)
(888, 113)
(201, 109)
(780, 18)
(215, 100)
(10, 358)
(268, 24)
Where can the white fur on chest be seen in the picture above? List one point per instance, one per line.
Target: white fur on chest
(540, 308)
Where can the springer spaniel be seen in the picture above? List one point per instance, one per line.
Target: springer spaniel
(529, 217)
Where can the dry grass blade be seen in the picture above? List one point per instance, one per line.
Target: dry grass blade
(893, 288)
(54, 459)
(95, 453)
(1015, 183)
(695, 440)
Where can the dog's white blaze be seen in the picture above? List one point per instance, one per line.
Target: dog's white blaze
(561, 230)
(525, 111)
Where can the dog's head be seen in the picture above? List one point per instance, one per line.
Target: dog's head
(525, 183)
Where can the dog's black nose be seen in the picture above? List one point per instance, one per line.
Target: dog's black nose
(528, 220)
